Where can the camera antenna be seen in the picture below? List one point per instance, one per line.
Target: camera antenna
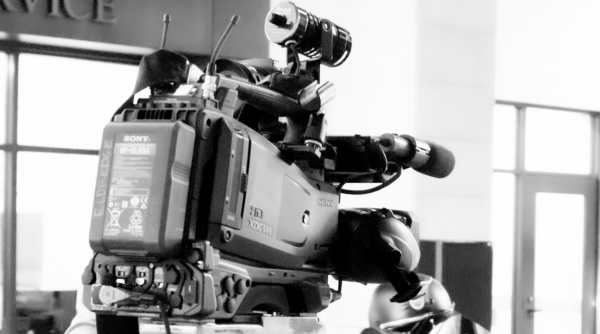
(210, 80)
(211, 64)
(166, 21)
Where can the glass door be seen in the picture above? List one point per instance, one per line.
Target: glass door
(555, 266)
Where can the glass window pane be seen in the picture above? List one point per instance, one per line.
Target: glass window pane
(559, 225)
(557, 141)
(65, 102)
(3, 94)
(503, 222)
(546, 52)
(505, 134)
(54, 205)
(2, 185)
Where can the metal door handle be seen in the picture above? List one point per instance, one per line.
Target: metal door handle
(531, 310)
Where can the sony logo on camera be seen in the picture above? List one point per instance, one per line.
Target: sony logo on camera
(324, 202)
(136, 138)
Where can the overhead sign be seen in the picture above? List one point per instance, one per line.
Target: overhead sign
(194, 29)
(100, 11)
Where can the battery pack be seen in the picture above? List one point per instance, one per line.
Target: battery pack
(142, 189)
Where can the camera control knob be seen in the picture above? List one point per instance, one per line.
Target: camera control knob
(228, 286)
(241, 286)
(175, 300)
(172, 276)
(88, 277)
(230, 305)
(220, 302)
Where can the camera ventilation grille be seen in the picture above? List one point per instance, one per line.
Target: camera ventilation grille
(155, 114)
(187, 115)
(180, 171)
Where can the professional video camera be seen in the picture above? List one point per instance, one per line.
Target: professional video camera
(216, 202)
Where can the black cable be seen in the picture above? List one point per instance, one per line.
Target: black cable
(291, 45)
(360, 176)
(379, 187)
(164, 316)
(357, 177)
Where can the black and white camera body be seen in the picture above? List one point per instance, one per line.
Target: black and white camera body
(217, 195)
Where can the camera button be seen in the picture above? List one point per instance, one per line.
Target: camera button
(241, 286)
(230, 305)
(228, 285)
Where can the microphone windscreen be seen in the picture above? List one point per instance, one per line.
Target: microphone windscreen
(440, 163)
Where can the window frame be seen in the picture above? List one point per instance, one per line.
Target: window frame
(590, 322)
(11, 148)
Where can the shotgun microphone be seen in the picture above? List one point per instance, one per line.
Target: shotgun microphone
(425, 157)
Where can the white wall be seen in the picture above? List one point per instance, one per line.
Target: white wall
(455, 99)
(424, 68)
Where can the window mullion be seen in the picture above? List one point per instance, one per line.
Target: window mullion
(595, 124)
(10, 207)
